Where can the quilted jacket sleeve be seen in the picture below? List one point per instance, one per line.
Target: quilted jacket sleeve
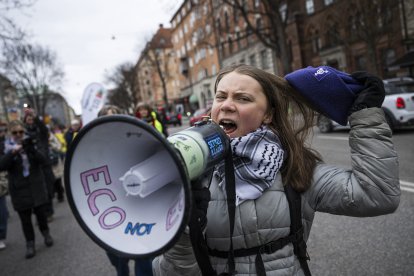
(371, 187)
(177, 261)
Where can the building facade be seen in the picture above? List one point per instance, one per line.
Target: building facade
(9, 101)
(157, 71)
(350, 35)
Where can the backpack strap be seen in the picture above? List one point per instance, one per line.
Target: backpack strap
(197, 238)
(296, 227)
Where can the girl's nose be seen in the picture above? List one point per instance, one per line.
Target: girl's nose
(228, 105)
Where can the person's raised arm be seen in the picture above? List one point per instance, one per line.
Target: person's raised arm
(371, 187)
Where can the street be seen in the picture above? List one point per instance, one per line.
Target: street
(337, 245)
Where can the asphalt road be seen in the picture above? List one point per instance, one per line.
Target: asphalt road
(337, 245)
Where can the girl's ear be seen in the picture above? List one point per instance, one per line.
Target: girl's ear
(267, 118)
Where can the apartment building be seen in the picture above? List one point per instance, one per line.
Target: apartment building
(237, 43)
(9, 101)
(157, 71)
(195, 44)
(207, 35)
(348, 35)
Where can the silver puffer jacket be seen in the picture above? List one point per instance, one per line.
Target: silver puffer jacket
(369, 188)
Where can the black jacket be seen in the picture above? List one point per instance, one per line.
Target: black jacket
(25, 192)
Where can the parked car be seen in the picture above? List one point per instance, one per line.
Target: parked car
(172, 118)
(398, 106)
(199, 114)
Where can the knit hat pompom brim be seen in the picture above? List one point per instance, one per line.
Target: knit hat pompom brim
(330, 91)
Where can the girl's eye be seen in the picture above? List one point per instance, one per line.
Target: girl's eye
(245, 99)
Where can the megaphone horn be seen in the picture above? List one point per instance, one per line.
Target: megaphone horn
(129, 187)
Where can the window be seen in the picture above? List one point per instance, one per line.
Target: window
(192, 19)
(235, 14)
(249, 35)
(218, 25)
(230, 45)
(258, 23)
(283, 11)
(388, 56)
(226, 22)
(310, 7)
(213, 69)
(244, 5)
(360, 63)
(314, 39)
(238, 40)
(202, 53)
(264, 60)
(316, 43)
(252, 60)
(332, 36)
(328, 2)
(201, 74)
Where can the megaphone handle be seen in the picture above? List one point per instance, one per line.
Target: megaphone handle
(203, 181)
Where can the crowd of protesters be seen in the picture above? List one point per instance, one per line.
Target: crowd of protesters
(31, 170)
(32, 155)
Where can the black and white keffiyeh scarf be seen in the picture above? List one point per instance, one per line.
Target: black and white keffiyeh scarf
(257, 158)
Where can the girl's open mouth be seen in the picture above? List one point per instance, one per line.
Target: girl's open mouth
(229, 126)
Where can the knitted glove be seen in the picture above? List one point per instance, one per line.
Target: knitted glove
(201, 198)
(373, 93)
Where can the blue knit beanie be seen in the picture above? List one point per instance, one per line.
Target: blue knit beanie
(331, 91)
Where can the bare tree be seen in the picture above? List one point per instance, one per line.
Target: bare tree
(34, 71)
(8, 28)
(268, 21)
(123, 94)
(157, 55)
(161, 67)
(370, 22)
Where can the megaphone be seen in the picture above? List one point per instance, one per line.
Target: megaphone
(129, 187)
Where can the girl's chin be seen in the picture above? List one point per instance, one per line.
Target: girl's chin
(233, 135)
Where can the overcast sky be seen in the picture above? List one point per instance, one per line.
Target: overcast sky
(92, 37)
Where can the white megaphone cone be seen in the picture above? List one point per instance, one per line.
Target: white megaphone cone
(129, 187)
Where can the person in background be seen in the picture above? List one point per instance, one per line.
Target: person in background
(4, 190)
(142, 265)
(72, 131)
(39, 133)
(161, 116)
(24, 162)
(59, 132)
(146, 113)
(55, 150)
